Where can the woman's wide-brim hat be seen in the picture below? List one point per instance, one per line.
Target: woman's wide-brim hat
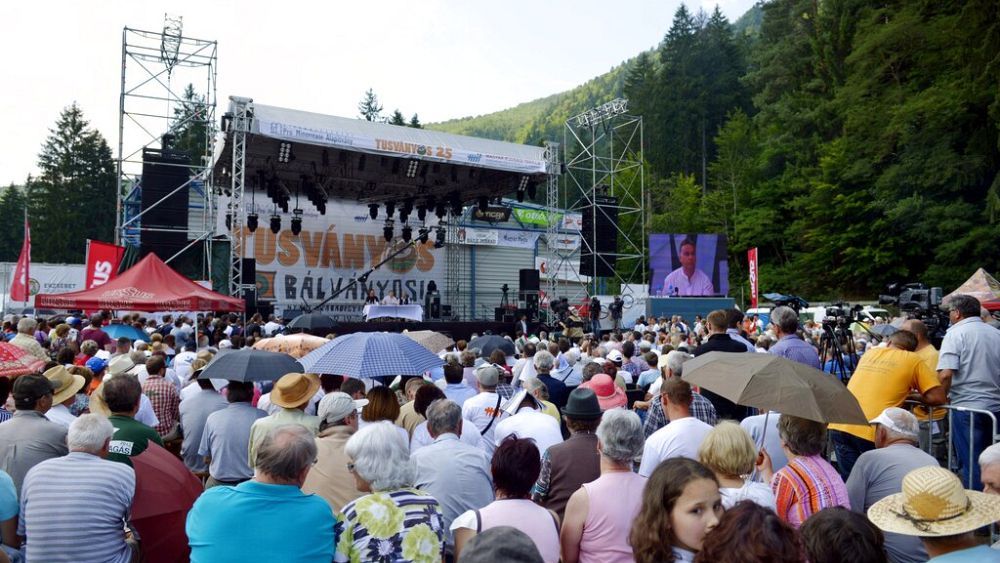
(934, 503)
(294, 389)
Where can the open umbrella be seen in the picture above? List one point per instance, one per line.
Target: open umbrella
(15, 361)
(313, 322)
(295, 345)
(118, 330)
(487, 344)
(766, 381)
(883, 330)
(248, 364)
(164, 492)
(370, 355)
(433, 341)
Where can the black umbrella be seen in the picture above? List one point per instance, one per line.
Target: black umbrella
(249, 364)
(312, 322)
(487, 344)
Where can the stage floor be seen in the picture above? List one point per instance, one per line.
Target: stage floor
(458, 330)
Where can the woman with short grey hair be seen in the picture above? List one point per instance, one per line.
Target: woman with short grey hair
(599, 515)
(395, 521)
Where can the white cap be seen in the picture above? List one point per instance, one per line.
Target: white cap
(899, 421)
(615, 356)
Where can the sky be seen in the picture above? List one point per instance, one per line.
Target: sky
(441, 59)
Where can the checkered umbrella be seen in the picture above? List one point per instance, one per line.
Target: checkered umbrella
(15, 361)
(368, 355)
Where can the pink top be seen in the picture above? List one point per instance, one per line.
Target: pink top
(614, 500)
(528, 517)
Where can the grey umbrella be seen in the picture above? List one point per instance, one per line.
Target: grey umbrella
(490, 342)
(249, 364)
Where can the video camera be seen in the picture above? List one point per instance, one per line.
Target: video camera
(918, 301)
(794, 301)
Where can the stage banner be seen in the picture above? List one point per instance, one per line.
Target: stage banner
(564, 242)
(536, 217)
(479, 237)
(752, 261)
(328, 253)
(19, 290)
(572, 222)
(518, 239)
(103, 259)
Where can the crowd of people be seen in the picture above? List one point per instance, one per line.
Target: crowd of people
(572, 449)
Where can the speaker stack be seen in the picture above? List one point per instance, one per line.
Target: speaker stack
(164, 209)
(528, 288)
(600, 236)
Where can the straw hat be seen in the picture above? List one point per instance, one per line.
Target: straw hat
(97, 404)
(121, 364)
(293, 389)
(65, 384)
(934, 503)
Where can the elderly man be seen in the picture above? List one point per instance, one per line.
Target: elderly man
(268, 518)
(528, 421)
(29, 438)
(567, 466)
(884, 378)
(969, 370)
(122, 395)
(456, 474)
(75, 508)
(656, 418)
(544, 362)
(25, 339)
(879, 473)
(790, 345)
(483, 410)
(65, 386)
(226, 436)
(194, 413)
(330, 478)
(682, 437)
(164, 397)
(292, 392)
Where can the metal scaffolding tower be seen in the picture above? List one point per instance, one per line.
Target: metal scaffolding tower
(156, 68)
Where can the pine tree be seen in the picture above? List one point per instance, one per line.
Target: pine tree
(12, 202)
(397, 118)
(415, 122)
(368, 108)
(190, 125)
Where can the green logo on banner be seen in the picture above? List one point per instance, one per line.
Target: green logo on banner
(536, 217)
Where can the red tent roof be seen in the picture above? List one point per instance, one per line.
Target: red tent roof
(150, 285)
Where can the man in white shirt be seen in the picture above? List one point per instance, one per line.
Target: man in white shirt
(483, 409)
(524, 367)
(272, 326)
(390, 299)
(66, 386)
(682, 437)
(529, 421)
(687, 280)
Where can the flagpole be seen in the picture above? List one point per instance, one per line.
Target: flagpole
(27, 264)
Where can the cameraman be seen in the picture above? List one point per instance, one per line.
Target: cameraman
(595, 316)
(969, 369)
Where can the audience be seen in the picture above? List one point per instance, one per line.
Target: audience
(750, 533)
(728, 451)
(837, 535)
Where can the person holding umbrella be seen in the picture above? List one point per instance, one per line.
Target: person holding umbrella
(292, 392)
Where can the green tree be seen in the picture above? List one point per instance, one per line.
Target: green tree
(12, 205)
(190, 125)
(369, 108)
(397, 118)
(415, 122)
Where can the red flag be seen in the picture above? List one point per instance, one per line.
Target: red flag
(19, 287)
(752, 261)
(103, 260)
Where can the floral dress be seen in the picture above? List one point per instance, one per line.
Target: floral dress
(391, 527)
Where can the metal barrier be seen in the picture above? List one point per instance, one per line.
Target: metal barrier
(928, 445)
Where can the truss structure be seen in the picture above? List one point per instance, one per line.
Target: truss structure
(156, 68)
(603, 157)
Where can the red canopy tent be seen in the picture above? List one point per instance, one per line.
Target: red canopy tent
(150, 285)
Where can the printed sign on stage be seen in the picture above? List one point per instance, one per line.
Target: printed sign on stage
(688, 265)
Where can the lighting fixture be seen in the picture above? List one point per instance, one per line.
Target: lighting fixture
(423, 234)
(285, 152)
(387, 230)
(407, 232)
(252, 222)
(275, 223)
(411, 168)
(373, 211)
(229, 221)
(440, 238)
(296, 222)
(532, 189)
(390, 209)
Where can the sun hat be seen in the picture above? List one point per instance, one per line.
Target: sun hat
(96, 364)
(488, 375)
(898, 420)
(582, 405)
(65, 384)
(609, 395)
(502, 543)
(120, 364)
(293, 389)
(933, 503)
(337, 405)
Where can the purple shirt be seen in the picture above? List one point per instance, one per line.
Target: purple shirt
(794, 348)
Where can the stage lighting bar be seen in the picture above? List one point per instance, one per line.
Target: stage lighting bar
(387, 230)
(601, 113)
(296, 222)
(285, 152)
(411, 168)
(252, 220)
(275, 223)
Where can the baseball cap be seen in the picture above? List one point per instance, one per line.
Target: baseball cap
(898, 420)
(488, 375)
(502, 543)
(337, 405)
(615, 356)
(96, 364)
(29, 388)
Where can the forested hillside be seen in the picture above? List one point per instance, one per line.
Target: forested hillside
(853, 143)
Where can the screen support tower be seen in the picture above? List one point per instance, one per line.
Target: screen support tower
(157, 68)
(603, 157)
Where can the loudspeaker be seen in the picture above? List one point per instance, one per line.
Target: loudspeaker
(250, 271)
(498, 314)
(164, 209)
(250, 299)
(529, 280)
(531, 304)
(600, 237)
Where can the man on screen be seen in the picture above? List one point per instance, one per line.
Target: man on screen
(688, 280)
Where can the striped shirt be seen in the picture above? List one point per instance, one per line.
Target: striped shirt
(805, 486)
(61, 493)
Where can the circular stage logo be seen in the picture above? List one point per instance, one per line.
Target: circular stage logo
(33, 286)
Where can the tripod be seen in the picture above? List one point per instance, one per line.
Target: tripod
(837, 346)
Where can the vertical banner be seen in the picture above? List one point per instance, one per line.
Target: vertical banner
(19, 287)
(752, 261)
(103, 260)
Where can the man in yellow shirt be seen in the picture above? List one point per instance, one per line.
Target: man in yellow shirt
(884, 378)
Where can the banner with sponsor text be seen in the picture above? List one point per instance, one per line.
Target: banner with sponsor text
(752, 261)
(103, 259)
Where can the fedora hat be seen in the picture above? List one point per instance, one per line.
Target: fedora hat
(65, 384)
(293, 389)
(934, 503)
(582, 405)
(121, 364)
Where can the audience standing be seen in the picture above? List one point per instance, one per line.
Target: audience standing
(226, 437)
(682, 437)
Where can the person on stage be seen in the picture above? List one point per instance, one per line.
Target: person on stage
(390, 299)
(595, 316)
(687, 280)
(371, 299)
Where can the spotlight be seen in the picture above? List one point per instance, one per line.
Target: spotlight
(407, 232)
(520, 196)
(296, 222)
(390, 208)
(421, 213)
(373, 211)
(275, 223)
(229, 221)
(423, 234)
(411, 168)
(285, 152)
(440, 238)
(387, 230)
(440, 210)
(252, 222)
(484, 204)
(532, 189)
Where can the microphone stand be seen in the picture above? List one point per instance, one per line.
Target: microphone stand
(360, 279)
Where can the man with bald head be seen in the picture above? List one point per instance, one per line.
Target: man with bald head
(927, 352)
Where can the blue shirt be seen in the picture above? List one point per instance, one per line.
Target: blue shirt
(459, 392)
(978, 554)
(972, 348)
(794, 348)
(260, 522)
(226, 438)
(648, 377)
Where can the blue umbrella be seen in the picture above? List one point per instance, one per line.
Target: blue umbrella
(370, 355)
(249, 364)
(119, 330)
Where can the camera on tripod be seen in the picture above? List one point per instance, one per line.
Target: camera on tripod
(917, 301)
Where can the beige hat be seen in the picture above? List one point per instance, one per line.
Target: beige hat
(934, 503)
(121, 364)
(293, 389)
(65, 383)
(97, 404)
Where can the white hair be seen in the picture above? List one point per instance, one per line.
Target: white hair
(572, 356)
(990, 456)
(381, 457)
(675, 362)
(786, 319)
(620, 433)
(544, 361)
(89, 433)
(27, 325)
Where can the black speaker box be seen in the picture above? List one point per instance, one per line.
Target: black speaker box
(600, 236)
(164, 202)
(529, 280)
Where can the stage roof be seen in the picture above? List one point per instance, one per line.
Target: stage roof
(377, 162)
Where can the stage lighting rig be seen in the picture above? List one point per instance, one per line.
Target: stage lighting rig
(387, 230)
(423, 234)
(296, 222)
(252, 220)
(373, 211)
(411, 168)
(390, 209)
(439, 238)
(275, 223)
(285, 152)
(407, 232)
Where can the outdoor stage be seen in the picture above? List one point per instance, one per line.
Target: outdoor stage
(457, 330)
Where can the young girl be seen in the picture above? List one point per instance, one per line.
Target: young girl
(681, 503)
